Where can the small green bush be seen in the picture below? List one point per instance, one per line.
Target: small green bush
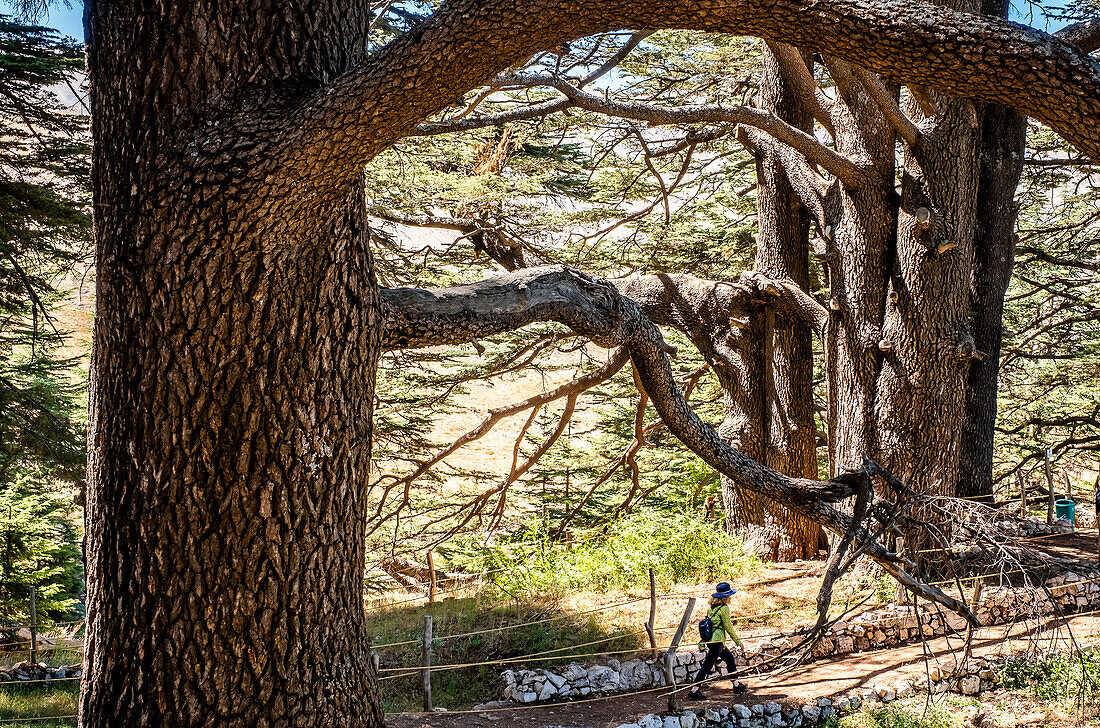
(1054, 676)
(39, 546)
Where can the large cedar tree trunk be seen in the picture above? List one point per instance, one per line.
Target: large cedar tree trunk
(858, 259)
(1003, 142)
(784, 401)
(920, 406)
(236, 341)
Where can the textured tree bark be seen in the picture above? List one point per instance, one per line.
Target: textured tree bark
(724, 322)
(913, 43)
(858, 259)
(236, 340)
(785, 350)
(237, 331)
(921, 400)
(1003, 142)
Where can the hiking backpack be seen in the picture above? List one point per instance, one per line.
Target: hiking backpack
(706, 628)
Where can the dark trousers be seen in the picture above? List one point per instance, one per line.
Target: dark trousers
(714, 651)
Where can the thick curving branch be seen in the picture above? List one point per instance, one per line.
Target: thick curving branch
(1085, 35)
(835, 163)
(330, 134)
(595, 308)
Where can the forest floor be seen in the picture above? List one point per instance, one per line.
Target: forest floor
(805, 683)
(790, 589)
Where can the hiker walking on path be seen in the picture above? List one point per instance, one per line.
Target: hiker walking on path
(720, 626)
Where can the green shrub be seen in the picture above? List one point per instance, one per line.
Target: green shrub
(1054, 676)
(678, 547)
(894, 716)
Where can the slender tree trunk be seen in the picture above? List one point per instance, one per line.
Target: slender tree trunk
(785, 348)
(236, 341)
(741, 378)
(1003, 142)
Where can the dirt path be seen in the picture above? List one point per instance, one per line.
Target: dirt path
(1078, 545)
(792, 688)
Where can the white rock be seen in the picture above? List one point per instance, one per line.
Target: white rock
(742, 712)
(650, 721)
(548, 691)
(671, 721)
(574, 672)
(689, 720)
(634, 674)
(556, 680)
(601, 677)
(712, 715)
(771, 708)
(811, 713)
(970, 685)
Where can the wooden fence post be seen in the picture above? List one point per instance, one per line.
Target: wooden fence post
(1023, 493)
(34, 628)
(426, 652)
(670, 656)
(1050, 488)
(431, 579)
(975, 599)
(651, 625)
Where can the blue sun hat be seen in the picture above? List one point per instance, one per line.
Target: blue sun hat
(724, 590)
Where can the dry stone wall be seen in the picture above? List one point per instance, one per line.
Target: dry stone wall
(874, 629)
(24, 671)
(978, 676)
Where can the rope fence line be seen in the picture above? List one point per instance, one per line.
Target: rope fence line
(677, 689)
(662, 688)
(41, 647)
(1076, 531)
(1011, 541)
(741, 618)
(527, 624)
(534, 657)
(6, 683)
(540, 656)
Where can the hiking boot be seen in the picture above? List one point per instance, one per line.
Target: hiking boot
(739, 687)
(696, 695)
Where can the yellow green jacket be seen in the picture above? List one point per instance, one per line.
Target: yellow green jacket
(723, 625)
